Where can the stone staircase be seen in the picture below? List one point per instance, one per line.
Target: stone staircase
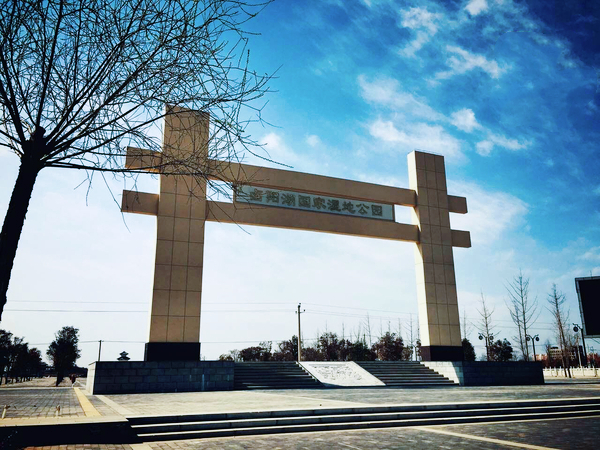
(404, 373)
(197, 426)
(272, 375)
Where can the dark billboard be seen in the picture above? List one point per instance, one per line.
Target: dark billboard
(588, 292)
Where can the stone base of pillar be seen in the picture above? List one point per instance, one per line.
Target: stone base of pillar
(172, 351)
(442, 353)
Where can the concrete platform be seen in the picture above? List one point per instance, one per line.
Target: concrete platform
(115, 409)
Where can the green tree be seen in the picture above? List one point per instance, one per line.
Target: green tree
(389, 347)
(311, 354)
(64, 351)
(329, 346)
(5, 350)
(82, 80)
(501, 351)
(360, 351)
(261, 352)
(468, 350)
(288, 350)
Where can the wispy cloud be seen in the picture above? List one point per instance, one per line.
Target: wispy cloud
(387, 92)
(313, 140)
(484, 148)
(464, 119)
(417, 136)
(474, 7)
(593, 254)
(277, 150)
(425, 25)
(491, 214)
(462, 61)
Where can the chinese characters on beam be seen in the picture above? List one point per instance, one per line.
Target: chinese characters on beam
(313, 202)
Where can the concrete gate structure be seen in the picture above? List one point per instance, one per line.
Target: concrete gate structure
(288, 199)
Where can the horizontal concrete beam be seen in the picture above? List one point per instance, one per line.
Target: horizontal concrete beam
(311, 221)
(457, 204)
(314, 184)
(150, 161)
(461, 239)
(144, 160)
(139, 202)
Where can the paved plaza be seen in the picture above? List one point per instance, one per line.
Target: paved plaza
(36, 403)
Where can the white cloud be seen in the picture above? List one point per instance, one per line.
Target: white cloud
(484, 148)
(387, 92)
(425, 25)
(593, 254)
(549, 162)
(490, 214)
(278, 151)
(462, 61)
(417, 18)
(313, 140)
(476, 6)
(510, 144)
(464, 119)
(415, 45)
(418, 136)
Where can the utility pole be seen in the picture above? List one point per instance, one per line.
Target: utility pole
(299, 339)
(577, 328)
(99, 349)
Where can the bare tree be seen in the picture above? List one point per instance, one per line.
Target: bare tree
(556, 300)
(412, 339)
(368, 329)
(548, 349)
(467, 327)
(486, 327)
(82, 80)
(523, 310)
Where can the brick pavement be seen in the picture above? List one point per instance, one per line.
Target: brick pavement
(83, 447)
(40, 402)
(560, 433)
(205, 402)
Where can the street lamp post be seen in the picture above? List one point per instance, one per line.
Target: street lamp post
(533, 339)
(488, 343)
(577, 328)
(299, 334)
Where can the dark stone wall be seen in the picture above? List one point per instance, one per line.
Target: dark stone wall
(159, 376)
(489, 373)
(484, 373)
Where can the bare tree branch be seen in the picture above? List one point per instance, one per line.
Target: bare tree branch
(101, 75)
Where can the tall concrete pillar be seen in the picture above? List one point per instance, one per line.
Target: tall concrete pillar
(434, 262)
(176, 299)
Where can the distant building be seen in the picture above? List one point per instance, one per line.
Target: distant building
(574, 358)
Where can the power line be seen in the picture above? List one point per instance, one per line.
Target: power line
(69, 301)
(228, 311)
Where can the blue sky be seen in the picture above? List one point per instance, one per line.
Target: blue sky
(507, 91)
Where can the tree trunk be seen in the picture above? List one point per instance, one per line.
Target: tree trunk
(13, 222)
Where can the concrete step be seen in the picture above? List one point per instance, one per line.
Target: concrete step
(268, 422)
(272, 375)
(401, 373)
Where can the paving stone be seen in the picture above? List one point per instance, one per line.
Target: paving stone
(40, 402)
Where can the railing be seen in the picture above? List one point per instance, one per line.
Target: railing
(576, 372)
